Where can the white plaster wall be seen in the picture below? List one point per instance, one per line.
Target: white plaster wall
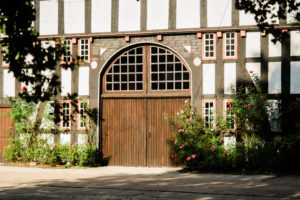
(129, 15)
(49, 17)
(157, 14)
(295, 43)
(274, 49)
(82, 139)
(101, 16)
(229, 77)
(253, 44)
(48, 137)
(246, 19)
(274, 78)
(66, 77)
(229, 142)
(274, 115)
(28, 72)
(295, 77)
(46, 122)
(291, 17)
(208, 78)
(65, 138)
(74, 16)
(84, 79)
(188, 14)
(255, 68)
(8, 84)
(219, 13)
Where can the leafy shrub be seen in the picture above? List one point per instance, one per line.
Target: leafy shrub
(14, 151)
(52, 154)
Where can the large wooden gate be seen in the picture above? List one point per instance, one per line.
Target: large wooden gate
(141, 87)
(5, 125)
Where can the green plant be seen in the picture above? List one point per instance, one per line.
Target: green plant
(14, 151)
(89, 156)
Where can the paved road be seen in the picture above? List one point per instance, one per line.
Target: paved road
(140, 183)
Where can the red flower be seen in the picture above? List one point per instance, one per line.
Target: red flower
(249, 106)
(213, 148)
(229, 107)
(229, 103)
(194, 156)
(184, 166)
(23, 89)
(251, 71)
(172, 156)
(188, 158)
(175, 155)
(227, 154)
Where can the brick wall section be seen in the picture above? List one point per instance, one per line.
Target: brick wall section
(175, 43)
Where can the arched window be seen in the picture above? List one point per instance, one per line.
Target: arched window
(150, 68)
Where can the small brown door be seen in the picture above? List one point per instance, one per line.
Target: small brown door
(140, 88)
(5, 125)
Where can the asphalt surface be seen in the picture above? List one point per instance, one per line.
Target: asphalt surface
(140, 183)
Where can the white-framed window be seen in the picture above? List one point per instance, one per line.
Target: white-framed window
(84, 50)
(209, 46)
(209, 113)
(65, 115)
(67, 57)
(229, 116)
(230, 45)
(82, 120)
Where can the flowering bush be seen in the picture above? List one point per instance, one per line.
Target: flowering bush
(257, 148)
(193, 146)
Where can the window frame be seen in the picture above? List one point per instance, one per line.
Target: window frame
(79, 116)
(235, 46)
(89, 40)
(214, 46)
(214, 112)
(71, 52)
(182, 72)
(146, 75)
(61, 115)
(225, 101)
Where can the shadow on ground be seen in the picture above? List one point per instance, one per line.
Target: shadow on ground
(169, 185)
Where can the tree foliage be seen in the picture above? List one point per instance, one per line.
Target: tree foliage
(32, 61)
(268, 13)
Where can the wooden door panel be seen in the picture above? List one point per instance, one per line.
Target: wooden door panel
(159, 131)
(5, 125)
(123, 131)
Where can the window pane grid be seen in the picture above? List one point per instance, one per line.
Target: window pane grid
(84, 50)
(126, 74)
(208, 115)
(82, 115)
(229, 116)
(67, 55)
(230, 44)
(66, 115)
(167, 72)
(209, 45)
